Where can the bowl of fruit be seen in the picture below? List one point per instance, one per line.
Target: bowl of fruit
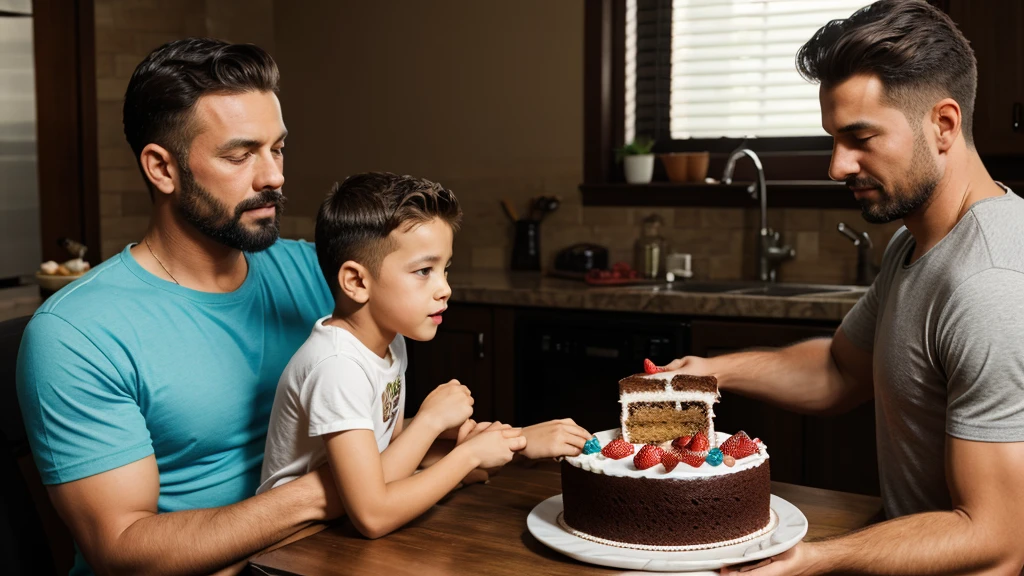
(53, 276)
(620, 274)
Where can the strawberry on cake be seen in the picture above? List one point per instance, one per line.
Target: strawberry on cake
(667, 480)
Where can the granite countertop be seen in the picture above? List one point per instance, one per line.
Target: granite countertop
(535, 289)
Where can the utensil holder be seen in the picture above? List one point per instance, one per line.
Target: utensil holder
(526, 245)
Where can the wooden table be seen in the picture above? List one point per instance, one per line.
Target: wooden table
(481, 529)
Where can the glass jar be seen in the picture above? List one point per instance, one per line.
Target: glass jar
(650, 249)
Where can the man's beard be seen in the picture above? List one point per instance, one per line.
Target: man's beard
(900, 201)
(201, 209)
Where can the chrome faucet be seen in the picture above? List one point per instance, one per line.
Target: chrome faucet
(769, 252)
(866, 271)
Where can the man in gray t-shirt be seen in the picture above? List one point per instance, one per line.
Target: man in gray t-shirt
(946, 333)
(938, 340)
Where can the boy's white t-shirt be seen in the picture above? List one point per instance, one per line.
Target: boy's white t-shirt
(332, 383)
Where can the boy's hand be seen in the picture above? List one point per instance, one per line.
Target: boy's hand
(471, 428)
(495, 446)
(554, 438)
(447, 406)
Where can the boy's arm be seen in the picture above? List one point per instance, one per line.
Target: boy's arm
(377, 507)
(406, 451)
(113, 518)
(447, 405)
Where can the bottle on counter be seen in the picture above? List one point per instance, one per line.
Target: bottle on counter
(650, 249)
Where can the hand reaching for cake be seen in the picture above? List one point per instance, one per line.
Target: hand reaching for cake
(693, 365)
(495, 446)
(554, 439)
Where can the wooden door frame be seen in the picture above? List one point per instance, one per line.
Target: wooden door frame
(68, 160)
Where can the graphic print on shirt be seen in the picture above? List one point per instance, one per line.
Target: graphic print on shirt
(389, 399)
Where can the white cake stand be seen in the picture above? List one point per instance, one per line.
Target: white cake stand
(543, 524)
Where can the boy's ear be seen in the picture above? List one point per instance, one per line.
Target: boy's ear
(353, 278)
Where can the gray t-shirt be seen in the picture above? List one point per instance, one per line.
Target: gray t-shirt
(947, 338)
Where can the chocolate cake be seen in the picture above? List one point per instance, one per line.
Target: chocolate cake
(675, 484)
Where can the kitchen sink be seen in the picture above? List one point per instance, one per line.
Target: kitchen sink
(764, 289)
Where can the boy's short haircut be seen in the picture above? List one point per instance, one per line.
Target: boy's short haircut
(358, 215)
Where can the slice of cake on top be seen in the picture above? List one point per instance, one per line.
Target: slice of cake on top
(661, 407)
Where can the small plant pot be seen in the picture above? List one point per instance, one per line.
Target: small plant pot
(639, 168)
(677, 166)
(686, 166)
(698, 166)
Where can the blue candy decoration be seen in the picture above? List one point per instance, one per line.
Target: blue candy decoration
(592, 446)
(714, 457)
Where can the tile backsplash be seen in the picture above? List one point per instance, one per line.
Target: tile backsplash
(722, 241)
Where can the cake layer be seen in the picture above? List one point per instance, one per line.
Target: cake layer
(667, 511)
(657, 421)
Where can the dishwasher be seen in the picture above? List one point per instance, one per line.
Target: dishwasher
(569, 363)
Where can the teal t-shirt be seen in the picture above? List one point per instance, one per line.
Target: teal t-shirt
(122, 364)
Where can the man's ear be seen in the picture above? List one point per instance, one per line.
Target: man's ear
(160, 167)
(354, 280)
(946, 121)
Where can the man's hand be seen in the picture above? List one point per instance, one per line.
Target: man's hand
(691, 364)
(797, 561)
(447, 406)
(554, 438)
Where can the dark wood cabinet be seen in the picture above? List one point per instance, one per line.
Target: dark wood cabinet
(834, 452)
(993, 29)
(474, 346)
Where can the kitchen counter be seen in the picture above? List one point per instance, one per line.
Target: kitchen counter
(534, 289)
(19, 301)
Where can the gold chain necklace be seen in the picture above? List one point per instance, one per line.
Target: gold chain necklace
(161, 263)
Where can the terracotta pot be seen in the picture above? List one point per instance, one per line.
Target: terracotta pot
(677, 166)
(698, 166)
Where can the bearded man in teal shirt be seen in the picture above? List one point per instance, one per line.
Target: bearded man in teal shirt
(146, 386)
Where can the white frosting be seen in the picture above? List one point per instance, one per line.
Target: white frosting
(600, 464)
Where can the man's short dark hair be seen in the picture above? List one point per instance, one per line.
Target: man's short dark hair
(162, 93)
(913, 47)
(355, 221)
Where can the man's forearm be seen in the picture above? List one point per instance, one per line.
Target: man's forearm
(203, 541)
(801, 377)
(928, 543)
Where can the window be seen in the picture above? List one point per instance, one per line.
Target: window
(711, 69)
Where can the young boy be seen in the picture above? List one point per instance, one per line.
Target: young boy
(384, 243)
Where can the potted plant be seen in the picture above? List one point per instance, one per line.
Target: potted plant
(637, 160)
